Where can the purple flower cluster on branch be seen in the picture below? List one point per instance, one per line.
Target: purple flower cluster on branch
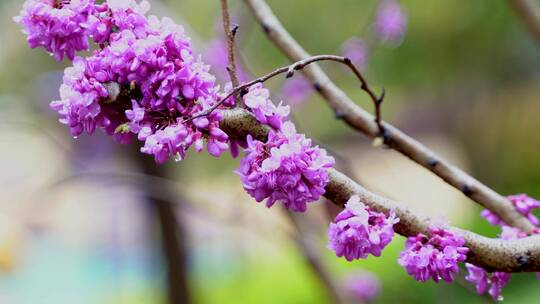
(60, 27)
(482, 280)
(522, 203)
(435, 257)
(285, 168)
(359, 231)
(143, 80)
(266, 112)
(160, 83)
(478, 276)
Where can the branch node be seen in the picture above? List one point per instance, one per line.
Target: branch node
(265, 28)
(289, 74)
(234, 29)
(432, 162)
(339, 114)
(466, 189)
(381, 97)
(522, 260)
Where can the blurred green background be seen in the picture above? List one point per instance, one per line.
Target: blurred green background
(75, 229)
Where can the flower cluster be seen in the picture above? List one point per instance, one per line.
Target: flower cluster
(434, 257)
(362, 286)
(481, 279)
(390, 21)
(357, 51)
(266, 112)
(286, 168)
(60, 27)
(358, 231)
(522, 203)
(143, 79)
(498, 280)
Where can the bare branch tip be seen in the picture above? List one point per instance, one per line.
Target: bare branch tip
(381, 97)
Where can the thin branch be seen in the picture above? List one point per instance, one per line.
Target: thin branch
(529, 12)
(289, 70)
(230, 33)
(364, 122)
(521, 255)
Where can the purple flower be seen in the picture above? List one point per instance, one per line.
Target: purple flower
(510, 233)
(57, 26)
(258, 100)
(477, 276)
(358, 231)
(364, 286)
(357, 51)
(296, 90)
(78, 107)
(156, 85)
(522, 203)
(286, 168)
(481, 279)
(390, 21)
(170, 141)
(434, 257)
(525, 205)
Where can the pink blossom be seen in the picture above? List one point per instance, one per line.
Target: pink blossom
(286, 168)
(358, 231)
(390, 21)
(434, 257)
(258, 100)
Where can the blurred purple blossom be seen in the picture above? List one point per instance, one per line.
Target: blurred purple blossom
(216, 56)
(363, 286)
(357, 50)
(296, 90)
(390, 21)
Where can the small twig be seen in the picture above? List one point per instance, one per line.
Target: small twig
(230, 33)
(289, 70)
(378, 115)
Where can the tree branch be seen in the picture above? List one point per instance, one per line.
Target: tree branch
(529, 12)
(364, 122)
(491, 254)
(289, 69)
(230, 33)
